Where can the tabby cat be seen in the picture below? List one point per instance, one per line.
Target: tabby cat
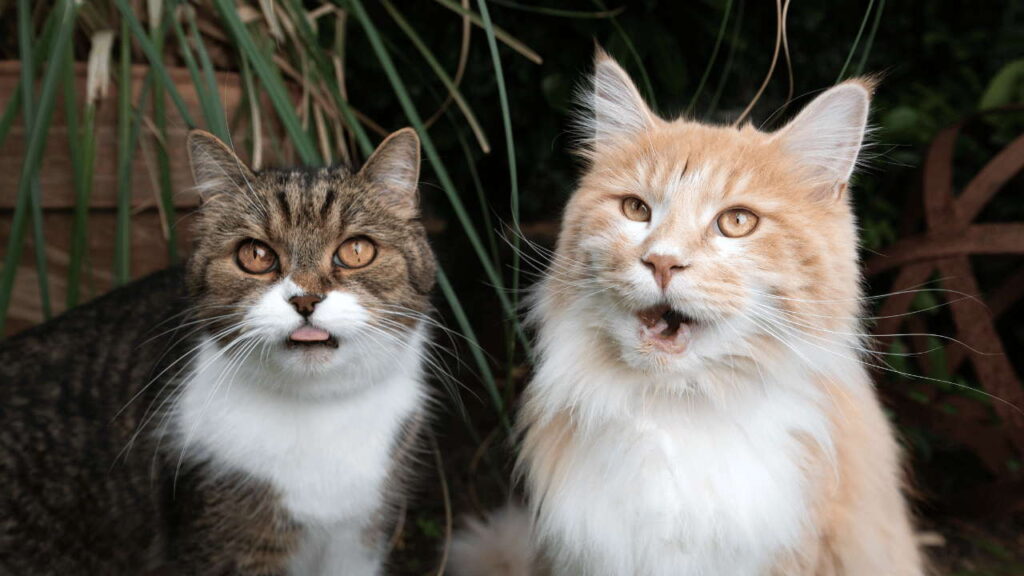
(253, 413)
(700, 406)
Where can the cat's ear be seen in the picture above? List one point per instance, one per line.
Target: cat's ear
(827, 135)
(617, 110)
(395, 167)
(215, 168)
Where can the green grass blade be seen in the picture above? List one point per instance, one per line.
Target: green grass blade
(440, 72)
(871, 38)
(714, 57)
(208, 102)
(729, 59)
(10, 113)
(270, 79)
(506, 118)
(29, 64)
(490, 384)
(123, 239)
(190, 64)
(325, 71)
(648, 87)
(39, 241)
(506, 38)
(83, 192)
(122, 233)
(79, 183)
(559, 13)
(129, 127)
(478, 186)
(435, 161)
(14, 104)
(856, 41)
(510, 146)
(214, 106)
(33, 154)
(155, 59)
(166, 192)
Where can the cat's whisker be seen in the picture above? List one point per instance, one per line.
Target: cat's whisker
(148, 414)
(246, 343)
(388, 313)
(551, 262)
(434, 364)
(181, 358)
(404, 312)
(201, 321)
(872, 318)
(876, 336)
(908, 291)
(884, 367)
(397, 329)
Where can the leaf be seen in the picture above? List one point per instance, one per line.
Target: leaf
(1006, 87)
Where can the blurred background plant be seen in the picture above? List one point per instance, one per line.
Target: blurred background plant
(96, 186)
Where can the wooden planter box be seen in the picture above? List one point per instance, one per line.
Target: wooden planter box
(149, 240)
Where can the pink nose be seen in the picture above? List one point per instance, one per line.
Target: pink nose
(663, 267)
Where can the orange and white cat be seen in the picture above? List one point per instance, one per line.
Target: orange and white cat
(699, 405)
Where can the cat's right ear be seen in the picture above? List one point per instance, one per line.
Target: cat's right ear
(617, 110)
(215, 168)
(395, 168)
(827, 135)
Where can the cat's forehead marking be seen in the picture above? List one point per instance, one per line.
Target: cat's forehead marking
(659, 176)
(330, 195)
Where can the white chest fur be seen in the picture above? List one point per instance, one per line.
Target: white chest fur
(682, 489)
(327, 458)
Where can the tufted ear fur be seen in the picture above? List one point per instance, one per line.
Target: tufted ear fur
(395, 167)
(614, 108)
(215, 168)
(827, 135)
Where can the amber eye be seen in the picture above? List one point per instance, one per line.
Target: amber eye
(636, 209)
(736, 222)
(255, 257)
(355, 252)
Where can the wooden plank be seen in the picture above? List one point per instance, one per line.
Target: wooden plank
(56, 176)
(149, 254)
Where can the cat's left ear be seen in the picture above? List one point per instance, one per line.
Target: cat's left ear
(215, 167)
(395, 167)
(827, 135)
(617, 110)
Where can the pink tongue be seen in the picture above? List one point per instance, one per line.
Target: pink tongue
(310, 334)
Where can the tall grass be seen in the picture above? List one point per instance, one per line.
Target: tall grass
(291, 54)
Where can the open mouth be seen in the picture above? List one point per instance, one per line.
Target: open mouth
(666, 329)
(309, 336)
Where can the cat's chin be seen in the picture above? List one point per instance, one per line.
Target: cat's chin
(303, 357)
